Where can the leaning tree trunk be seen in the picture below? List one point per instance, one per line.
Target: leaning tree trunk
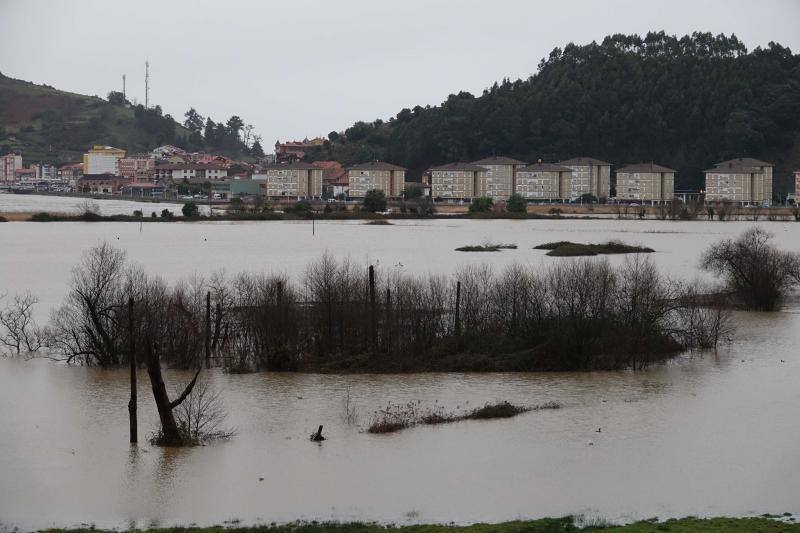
(170, 433)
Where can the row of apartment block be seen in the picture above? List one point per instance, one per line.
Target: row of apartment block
(743, 180)
(499, 177)
(305, 180)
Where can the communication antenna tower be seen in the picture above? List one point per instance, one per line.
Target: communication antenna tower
(146, 84)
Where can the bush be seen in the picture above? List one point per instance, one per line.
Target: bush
(41, 217)
(3, 219)
(166, 213)
(482, 204)
(138, 213)
(375, 201)
(516, 204)
(190, 210)
(753, 269)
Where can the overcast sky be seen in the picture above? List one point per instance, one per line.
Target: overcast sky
(303, 68)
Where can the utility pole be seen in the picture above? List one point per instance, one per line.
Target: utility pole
(123, 88)
(146, 84)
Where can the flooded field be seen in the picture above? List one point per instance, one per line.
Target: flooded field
(711, 434)
(34, 203)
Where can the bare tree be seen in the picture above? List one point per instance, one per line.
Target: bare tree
(18, 331)
(753, 269)
(201, 416)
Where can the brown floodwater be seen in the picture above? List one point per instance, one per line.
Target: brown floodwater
(706, 434)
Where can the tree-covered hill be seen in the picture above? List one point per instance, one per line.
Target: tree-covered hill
(681, 102)
(50, 125)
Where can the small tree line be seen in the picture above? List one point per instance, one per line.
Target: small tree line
(338, 315)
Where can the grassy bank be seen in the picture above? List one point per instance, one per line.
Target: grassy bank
(545, 525)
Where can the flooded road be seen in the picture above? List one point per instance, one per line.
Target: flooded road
(716, 434)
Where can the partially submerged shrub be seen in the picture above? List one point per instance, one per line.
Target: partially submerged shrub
(753, 269)
(487, 247)
(396, 417)
(571, 249)
(41, 217)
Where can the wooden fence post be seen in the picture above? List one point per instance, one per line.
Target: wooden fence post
(458, 310)
(134, 429)
(388, 327)
(208, 329)
(372, 317)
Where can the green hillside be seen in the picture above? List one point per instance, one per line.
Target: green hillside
(683, 102)
(50, 125)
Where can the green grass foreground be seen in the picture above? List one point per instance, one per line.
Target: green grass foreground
(545, 525)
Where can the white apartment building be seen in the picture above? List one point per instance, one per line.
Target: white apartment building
(744, 181)
(500, 175)
(9, 164)
(102, 160)
(390, 179)
(589, 176)
(544, 181)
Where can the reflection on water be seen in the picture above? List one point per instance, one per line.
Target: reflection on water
(704, 435)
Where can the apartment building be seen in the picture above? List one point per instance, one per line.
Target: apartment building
(70, 171)
(137, 167)
(389, 178)
(290, 180)
(589, 176)
(500, 173)
(102, 160)
(646, 182)
(46, 171)
(544, 181)
(9, 163)
(744, 181)
(189, 171)
(458, 180)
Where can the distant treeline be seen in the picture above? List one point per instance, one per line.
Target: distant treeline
(339, 316)
(683, 102)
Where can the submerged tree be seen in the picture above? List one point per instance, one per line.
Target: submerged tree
(94, 327)
(753, 269)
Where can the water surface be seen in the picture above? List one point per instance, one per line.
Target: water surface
(706, 435)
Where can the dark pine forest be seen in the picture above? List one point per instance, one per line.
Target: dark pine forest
(683, 102)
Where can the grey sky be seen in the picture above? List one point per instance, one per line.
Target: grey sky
(303, 68)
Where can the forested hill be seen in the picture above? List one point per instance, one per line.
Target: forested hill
(681, 102)
(49, 125)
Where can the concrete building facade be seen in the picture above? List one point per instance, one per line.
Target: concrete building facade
(102, 160)
(796, 184)
(189, 171)
(646, 182)
(9, 163)
(139, 168)
(100, 184)
(292, 180)
(745, 181)
(500, 175)
(386, 177)
(458, 181)
(589, 176)
(544, 181)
